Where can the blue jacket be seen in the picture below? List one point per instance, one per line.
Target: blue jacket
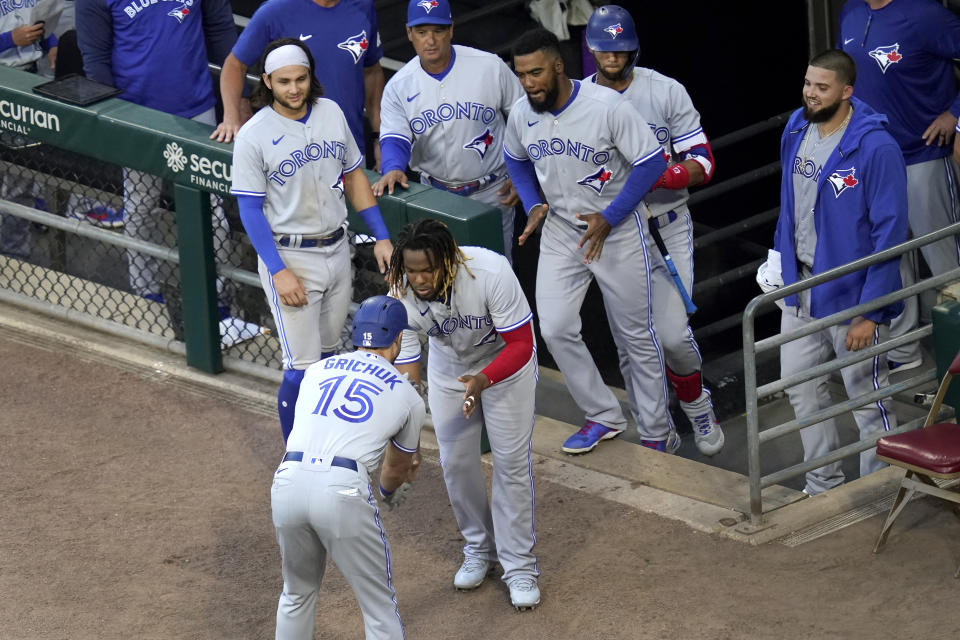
(904, 54)
(861, 208)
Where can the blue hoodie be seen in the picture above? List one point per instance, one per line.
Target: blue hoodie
(861, 208)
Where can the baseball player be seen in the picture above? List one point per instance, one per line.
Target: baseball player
(844, 198)
(904, 51)
(482, 371)
(444, 114)
(158, 54)
(293, 163)
(612, 39)
(354, 408)
(595, 159)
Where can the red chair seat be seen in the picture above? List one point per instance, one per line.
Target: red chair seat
(936, 448)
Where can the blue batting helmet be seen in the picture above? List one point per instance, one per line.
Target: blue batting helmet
(378, 322)
(611, 28)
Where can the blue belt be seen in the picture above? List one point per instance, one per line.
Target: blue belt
(297, 456)
(465, 188)
(308, 243)
(664, 219)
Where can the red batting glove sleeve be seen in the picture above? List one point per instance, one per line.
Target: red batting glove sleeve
(675, 177)
(515, 354)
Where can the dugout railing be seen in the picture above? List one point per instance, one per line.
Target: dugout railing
(754, 393)
(54, 155)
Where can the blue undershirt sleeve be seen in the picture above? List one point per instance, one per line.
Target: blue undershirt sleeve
(394, 154)
(6, 40)
(638, 184)
(95, 39)
(374, 221)
(524, 178)
(261, 237)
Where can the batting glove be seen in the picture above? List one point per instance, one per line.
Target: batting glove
(393, 499)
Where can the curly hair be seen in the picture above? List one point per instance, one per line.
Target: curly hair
(435, 240)
(262, 96)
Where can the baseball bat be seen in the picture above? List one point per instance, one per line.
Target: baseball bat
(655, 232)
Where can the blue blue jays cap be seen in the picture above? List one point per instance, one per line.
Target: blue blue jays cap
(378, 321)
(428, 12)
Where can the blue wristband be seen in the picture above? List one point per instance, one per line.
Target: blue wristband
(385, 493)
(374, 221)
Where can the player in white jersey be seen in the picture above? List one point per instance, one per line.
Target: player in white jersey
(595, 159)
(443, 114)
(293, 163)
(482, 371)
(612, 38)
(353, 409)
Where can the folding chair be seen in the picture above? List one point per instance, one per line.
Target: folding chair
(933, 451)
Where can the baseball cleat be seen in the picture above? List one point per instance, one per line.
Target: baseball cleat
(707, 433)
(669, 445)
(101, 216)
(893, 365)
(587, 438)
(524, 593)
(472, 573)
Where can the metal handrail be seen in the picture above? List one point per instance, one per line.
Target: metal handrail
(751, 347)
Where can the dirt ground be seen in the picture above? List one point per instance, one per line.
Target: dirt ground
(135, 509)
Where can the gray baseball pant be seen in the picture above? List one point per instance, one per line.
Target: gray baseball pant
(501, 528)
(623, 273)
(812, 396)
(331, 512)
(933, 202)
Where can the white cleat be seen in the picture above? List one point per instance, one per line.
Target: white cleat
(472, 573)
(524, 593)
(707, 433)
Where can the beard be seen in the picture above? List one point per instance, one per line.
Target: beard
(823, 114)
(549, 98)
(283, 102)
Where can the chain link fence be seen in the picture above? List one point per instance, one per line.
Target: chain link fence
(130, 285)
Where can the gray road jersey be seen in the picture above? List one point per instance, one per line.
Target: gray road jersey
(674, 121)
(299, 167)
(455, 123)
(352, 405)
(467, 327)
(806, 176)
(584, 153)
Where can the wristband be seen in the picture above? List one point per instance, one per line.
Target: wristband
(385, 493)
(675, 177)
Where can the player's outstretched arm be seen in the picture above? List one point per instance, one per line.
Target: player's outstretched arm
(231, 88)
(396, 472)
(388, 181)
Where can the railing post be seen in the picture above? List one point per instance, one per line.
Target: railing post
(752, 410)
(198, 279)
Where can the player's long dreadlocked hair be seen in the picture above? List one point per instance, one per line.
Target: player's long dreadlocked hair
(435, 240)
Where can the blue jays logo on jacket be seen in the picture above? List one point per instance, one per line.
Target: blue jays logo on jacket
(597, 180)
(614, 30)
(132, 9)
(356, 46)
(428, 5)
(843, 179)
(886, 56)
(481, 143)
